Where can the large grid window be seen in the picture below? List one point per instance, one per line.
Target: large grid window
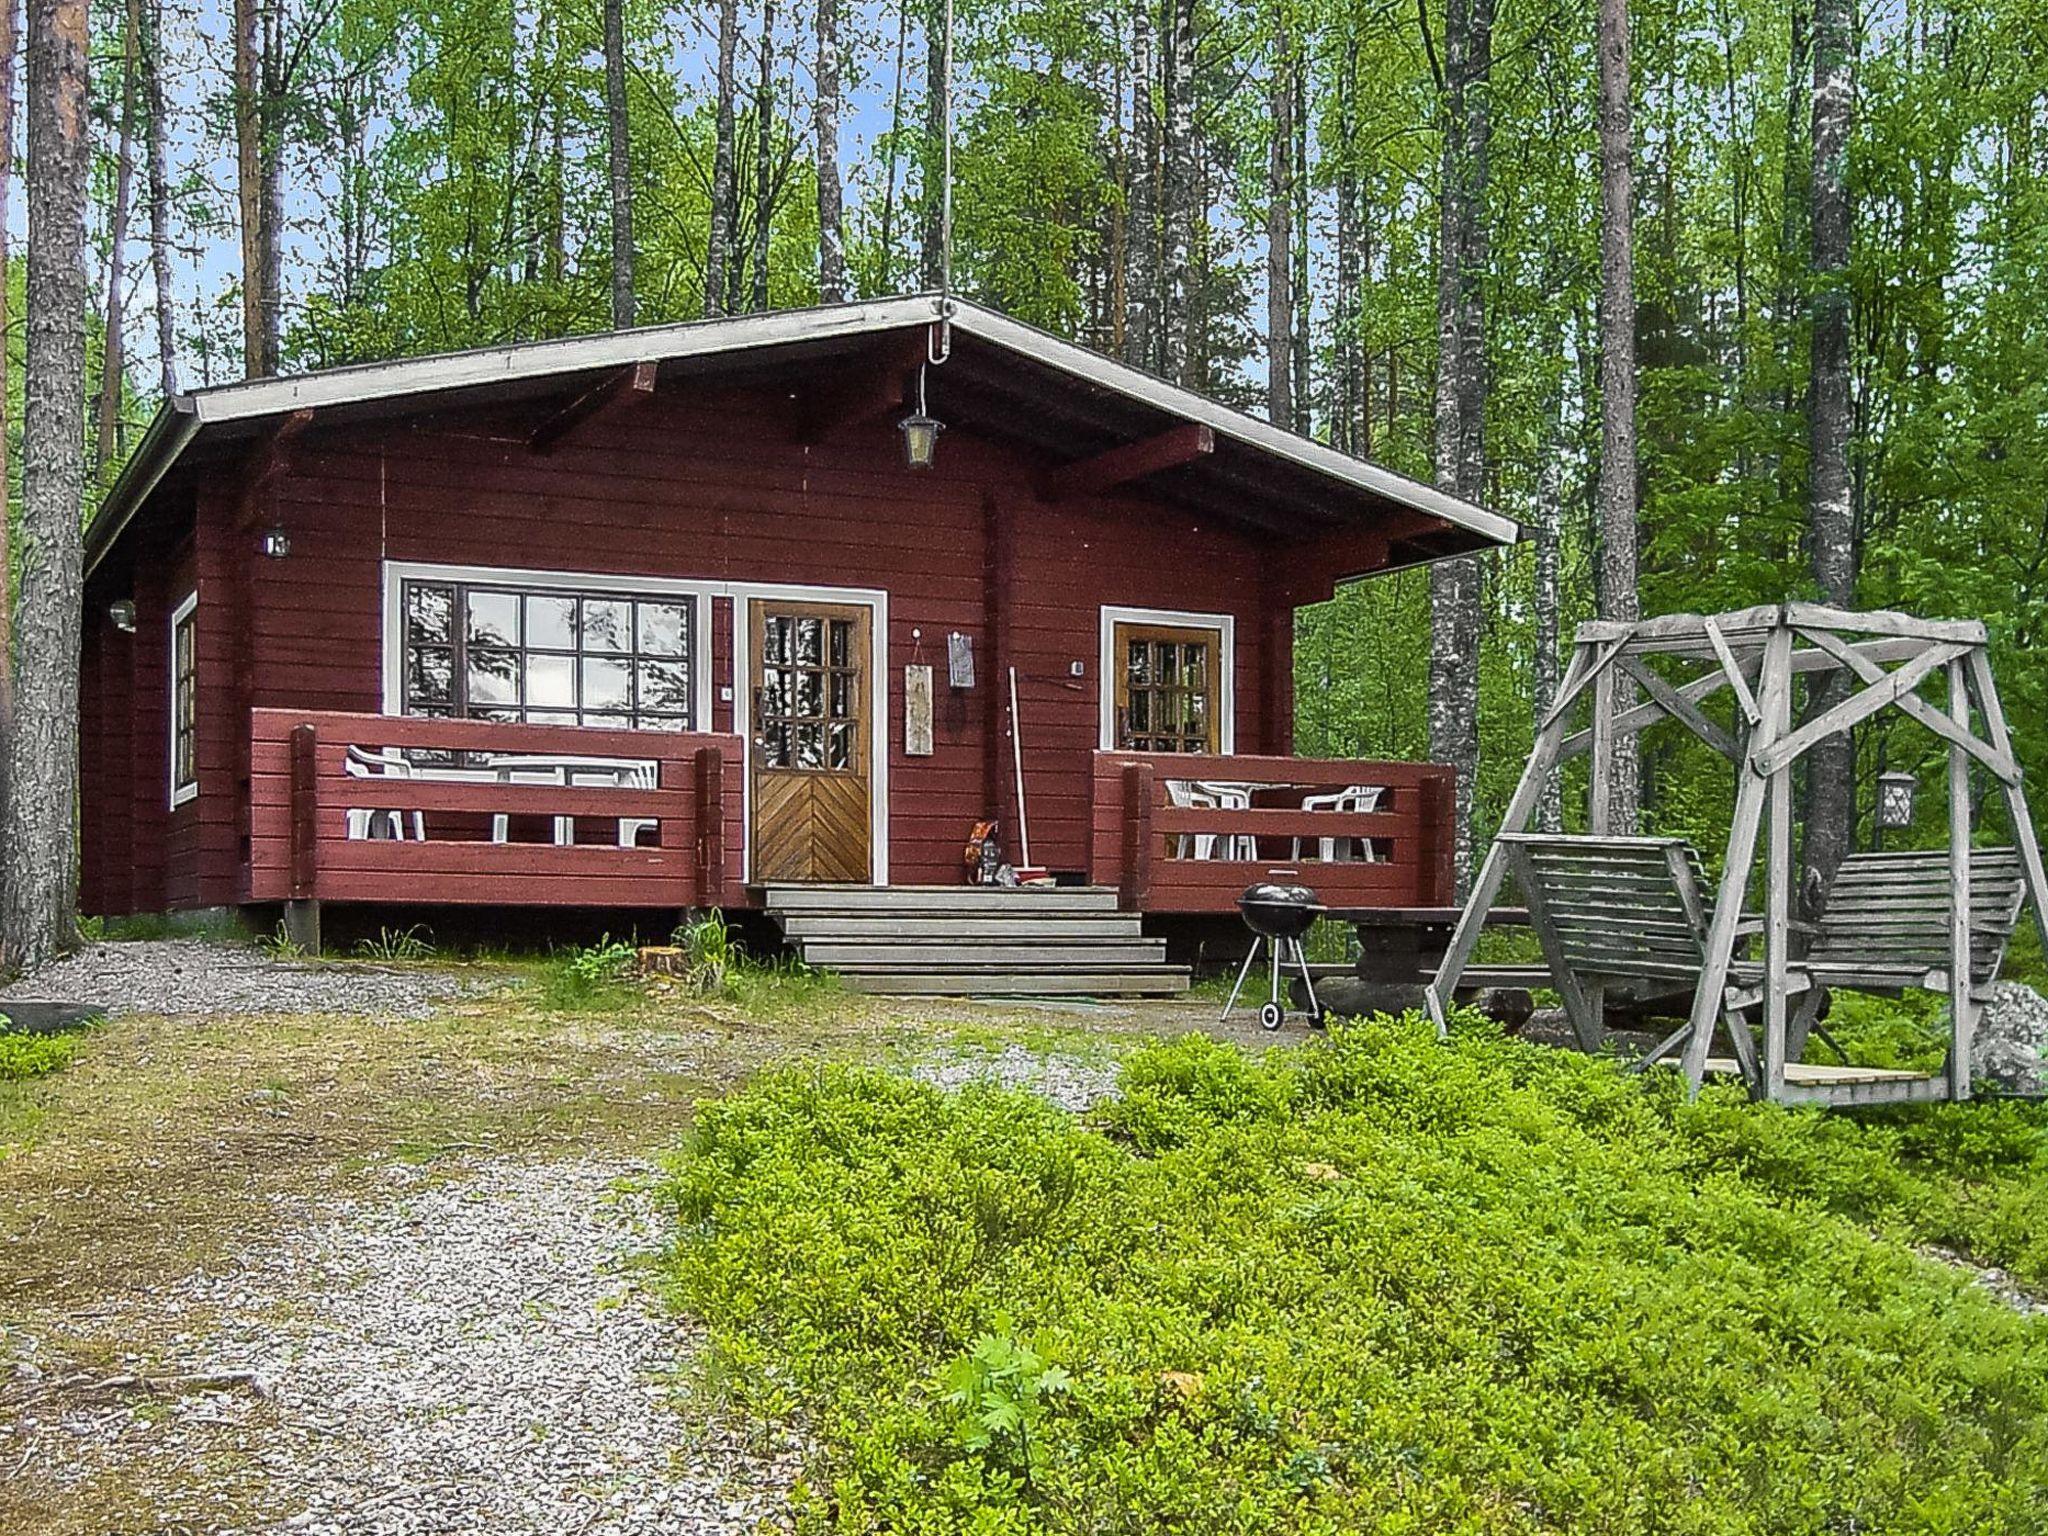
(808, 709)
(185, 700)
(546, 656)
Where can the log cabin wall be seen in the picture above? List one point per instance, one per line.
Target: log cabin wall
(691, 486)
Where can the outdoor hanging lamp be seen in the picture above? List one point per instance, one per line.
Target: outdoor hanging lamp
(1895, 792)
(920, 431)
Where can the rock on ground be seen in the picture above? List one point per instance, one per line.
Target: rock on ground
(466, 1356)
(2010, 1047)
(198, 976)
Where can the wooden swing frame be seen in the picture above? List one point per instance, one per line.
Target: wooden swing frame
(1757, 655)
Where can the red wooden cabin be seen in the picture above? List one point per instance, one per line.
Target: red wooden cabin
(348, 636)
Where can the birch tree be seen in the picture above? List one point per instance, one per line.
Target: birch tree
(10, 48)
(1142, 222)
(1280, 225)
(619, 157)
(155, 129)
(1619, 598)
(1462, 251)
(113, 346)
(40, 845)
(1831, 528)
(764, 156)
(249, 203)
(724, 177)
(831, 217)
(1180, 199)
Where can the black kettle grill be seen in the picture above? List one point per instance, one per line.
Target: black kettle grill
(1278, 915)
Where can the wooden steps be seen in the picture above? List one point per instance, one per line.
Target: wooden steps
(969, 941)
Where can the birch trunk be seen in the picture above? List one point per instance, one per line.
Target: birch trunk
(1549, 523)
(1178, 202)
(1831, 526)
(764, 159)
(249, 186)
(620, 153)
(1142, 284)
(1280, 226)
(41, 917)
(270, 117)
(1460, 402)
(718, 244)
(159, 196)
(831, 234)
(1619, 598)
(113, 350)
(10, 47)
(932, 234)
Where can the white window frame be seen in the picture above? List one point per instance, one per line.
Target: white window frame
(1225, 627)
(696, 593)
(188, 609)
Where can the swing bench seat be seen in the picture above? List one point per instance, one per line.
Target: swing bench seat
(1885, 928)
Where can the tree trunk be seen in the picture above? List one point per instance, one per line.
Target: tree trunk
(1304, 296)
(41, 918)
(718, 245)
(620, 148)
(159, 195)
(1551, 453)
(1460, 402)
(113, 350)
(10, 47)
(1178, 205)
(1831, 765)
(932, 241)
(764, 158)
(1141, 328)
(831, 234)
(249, 185)
(1280, 225)
(1619, 598)
(888, 233)
(270, 120)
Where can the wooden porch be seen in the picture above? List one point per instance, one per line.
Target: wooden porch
(1160, 838)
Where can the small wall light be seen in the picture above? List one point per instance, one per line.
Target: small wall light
(121, 614)
(1895, 791)
(275, 543)
(920, 431)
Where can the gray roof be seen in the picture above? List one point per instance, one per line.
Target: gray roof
(216, 412)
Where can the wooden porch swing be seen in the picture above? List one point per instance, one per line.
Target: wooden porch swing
(1629, 918)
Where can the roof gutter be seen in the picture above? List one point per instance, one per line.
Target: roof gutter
(174, 425)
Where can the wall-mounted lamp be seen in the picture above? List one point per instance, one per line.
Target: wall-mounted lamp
(920, 431)
(1895, 792)
(275, 543)
(121, 614)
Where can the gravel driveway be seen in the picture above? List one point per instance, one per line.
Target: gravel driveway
(199, 976)
(453, 1357)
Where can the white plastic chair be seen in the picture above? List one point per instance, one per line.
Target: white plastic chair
(363, 824)
(1354, 797)
(637, 776)
(1187, 796)
(1231, 796)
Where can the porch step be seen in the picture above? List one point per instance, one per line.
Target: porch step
(938, 900)
(1068, 941)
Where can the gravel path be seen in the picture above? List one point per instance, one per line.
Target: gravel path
(458, 1357)
(1067, 1081)
(198, 976)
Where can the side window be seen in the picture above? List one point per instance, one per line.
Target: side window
(184, 700)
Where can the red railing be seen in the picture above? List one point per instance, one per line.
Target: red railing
(319, 831)
(1167, 855)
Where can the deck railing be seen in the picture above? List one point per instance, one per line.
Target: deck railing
(1167, 855)
(464, 834)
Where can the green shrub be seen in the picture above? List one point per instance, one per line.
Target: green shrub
(397, 946)
(26, 1056)
(588, 975)
(1383, 1285)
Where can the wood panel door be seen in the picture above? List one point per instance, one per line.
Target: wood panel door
(812, 723)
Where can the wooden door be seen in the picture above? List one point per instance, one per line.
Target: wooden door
(1169, 688)
(812, 725)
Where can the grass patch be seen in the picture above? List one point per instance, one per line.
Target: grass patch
(1381, 1285)
(26, 1056)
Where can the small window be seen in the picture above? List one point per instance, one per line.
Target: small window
(1168, 684)
(184, 700)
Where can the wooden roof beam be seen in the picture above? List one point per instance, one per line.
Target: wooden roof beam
(875, 383)
(628, 385)
(1127, 462)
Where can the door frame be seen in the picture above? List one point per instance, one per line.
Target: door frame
(1223, 625)
(876, 601)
